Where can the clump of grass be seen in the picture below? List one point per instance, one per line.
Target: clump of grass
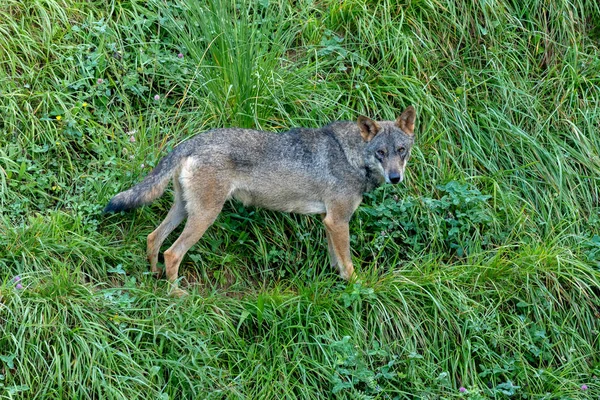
(478, 278)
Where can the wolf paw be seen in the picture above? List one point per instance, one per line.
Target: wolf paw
(158, 273)
(178, 292)
(347, 274)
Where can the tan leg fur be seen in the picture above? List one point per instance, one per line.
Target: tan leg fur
(333, 261)
(338, 233)
(204, 201)
(176, 215)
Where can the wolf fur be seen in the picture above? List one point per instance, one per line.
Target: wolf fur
(309, 171)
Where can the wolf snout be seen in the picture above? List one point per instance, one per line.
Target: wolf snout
(395, 177)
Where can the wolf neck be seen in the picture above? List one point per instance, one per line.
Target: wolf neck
(372, 178)
(354, 149)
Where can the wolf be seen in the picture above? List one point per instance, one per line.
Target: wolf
(309, 171)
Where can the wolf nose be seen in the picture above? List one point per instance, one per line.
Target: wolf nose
(395, 177)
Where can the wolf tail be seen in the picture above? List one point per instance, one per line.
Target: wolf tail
(151, 188)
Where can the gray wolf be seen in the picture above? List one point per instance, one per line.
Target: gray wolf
(309, 171)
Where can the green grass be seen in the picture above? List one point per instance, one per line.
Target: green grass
(482, 270)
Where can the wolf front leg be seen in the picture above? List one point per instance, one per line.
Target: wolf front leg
(338, 238)
(333, 261)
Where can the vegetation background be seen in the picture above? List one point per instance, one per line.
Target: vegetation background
(479, 276)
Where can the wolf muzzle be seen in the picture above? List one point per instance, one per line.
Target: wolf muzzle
(395, 177)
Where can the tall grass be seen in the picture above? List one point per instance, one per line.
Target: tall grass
(480, 272)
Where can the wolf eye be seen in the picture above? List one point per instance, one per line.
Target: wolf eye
(381, 153)
(401, 150)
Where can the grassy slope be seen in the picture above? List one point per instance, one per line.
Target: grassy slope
(482, 271)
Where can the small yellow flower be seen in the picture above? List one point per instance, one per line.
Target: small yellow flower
(58, 117)
(85, 104)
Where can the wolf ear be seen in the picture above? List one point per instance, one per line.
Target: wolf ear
(406, 121)
(368, 128)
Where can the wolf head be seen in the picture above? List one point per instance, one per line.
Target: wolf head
(388, 144)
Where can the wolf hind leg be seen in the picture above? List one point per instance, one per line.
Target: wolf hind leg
(176, 215)
(203, 205)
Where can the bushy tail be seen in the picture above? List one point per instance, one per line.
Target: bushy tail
(148, 190)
